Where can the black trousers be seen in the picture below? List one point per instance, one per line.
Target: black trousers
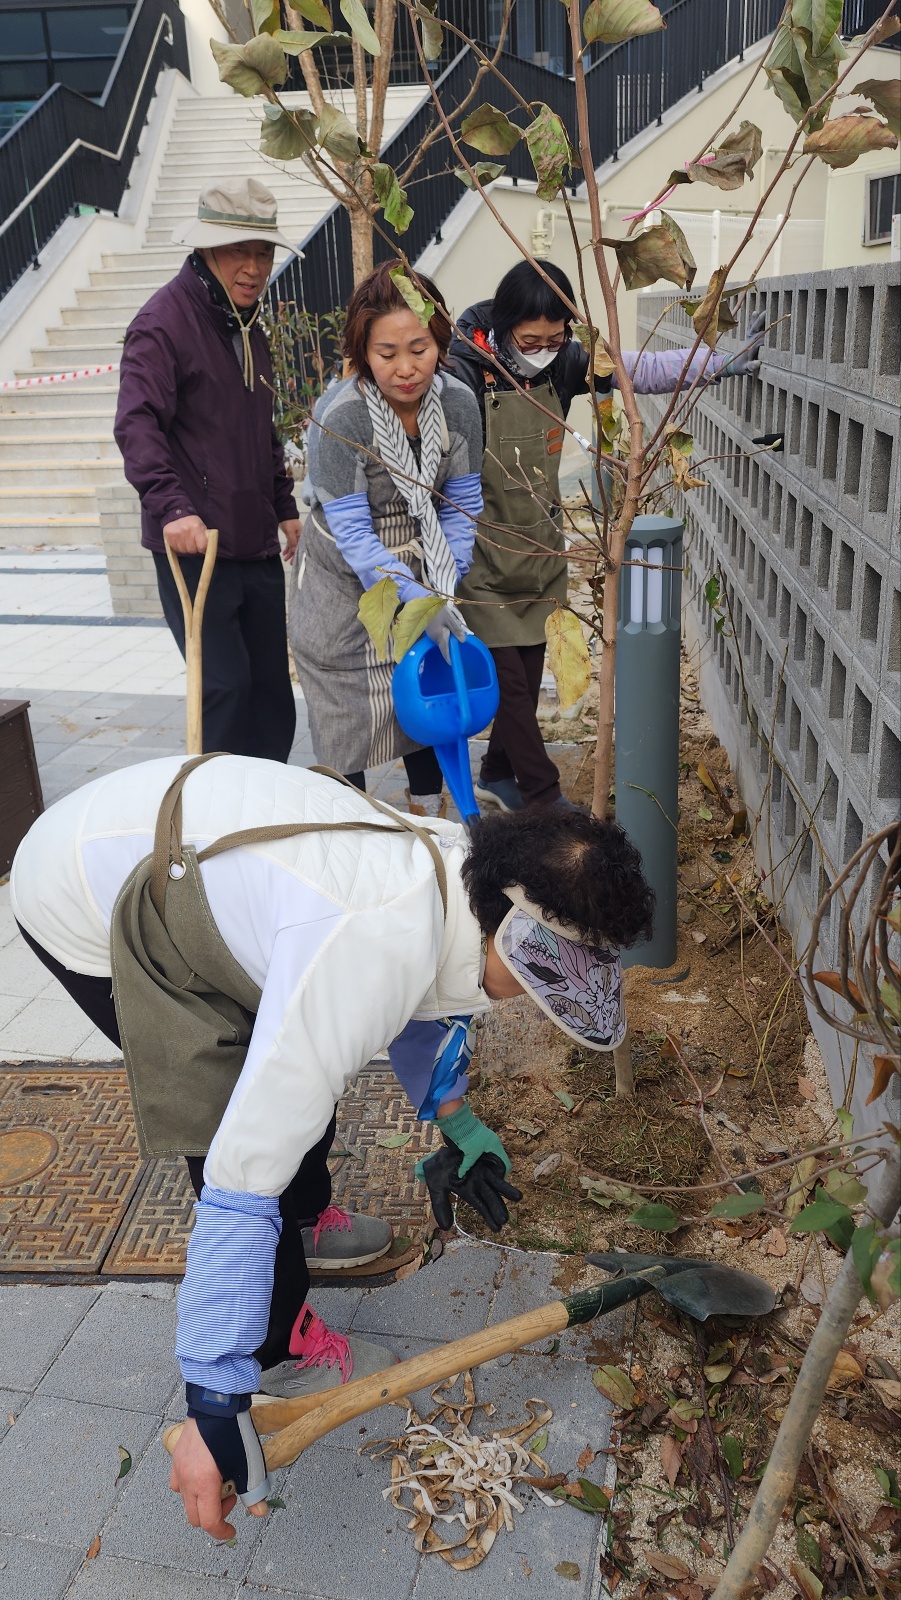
(248, 702)
(305, 1198)
(516, 748)
(424, 775)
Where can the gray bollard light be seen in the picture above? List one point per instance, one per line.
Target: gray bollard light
(646, 718)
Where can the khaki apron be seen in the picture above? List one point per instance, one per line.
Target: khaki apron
(520, 584)
(185, 1007)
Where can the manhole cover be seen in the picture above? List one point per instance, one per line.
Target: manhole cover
(24, 1152)
(76, 1197)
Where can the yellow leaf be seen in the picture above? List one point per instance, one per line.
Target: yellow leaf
(845, 1370)
(412, 620)
(376, 612)
(567, 655)
(802, 1177)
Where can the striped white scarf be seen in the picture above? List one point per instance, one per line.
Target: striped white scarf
(415, 481)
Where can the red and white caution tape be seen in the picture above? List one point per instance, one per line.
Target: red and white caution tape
(58, 377)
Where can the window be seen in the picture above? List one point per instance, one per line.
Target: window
(883, 202)
(76, 45)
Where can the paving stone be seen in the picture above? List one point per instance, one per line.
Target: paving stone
(137, 1337)
(108, 1578)
(337, 1305)
(58, 1467)
(336, 1535)
(523, 1563)
(532, 1281)
(446, 1300)
(35, 1324)
(11, 1403)
(33, 1570)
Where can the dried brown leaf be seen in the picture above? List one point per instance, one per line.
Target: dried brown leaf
(670, 1458)
(93, 1549)
(845, 1370)
(668, 1566)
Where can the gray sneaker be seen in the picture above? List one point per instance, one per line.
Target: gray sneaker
(325, 1360)
(342, 1239)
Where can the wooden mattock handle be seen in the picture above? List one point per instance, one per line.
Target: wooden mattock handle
(193, 615)
(312, 1417)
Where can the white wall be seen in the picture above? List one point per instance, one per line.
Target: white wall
(202, 25)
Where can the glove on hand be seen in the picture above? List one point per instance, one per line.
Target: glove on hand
(471, 1137)
(223, 1422)
(447, 621)
(747, 361)
(485, 1188)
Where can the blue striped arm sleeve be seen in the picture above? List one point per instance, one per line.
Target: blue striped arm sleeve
(413, 1055)
(459, 520)
(223, 1304)
(350, 523)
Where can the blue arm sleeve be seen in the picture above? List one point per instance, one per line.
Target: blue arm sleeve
(459, 520)
(350, 524)
(223, 1304)
(658, 371)
(413, 1054)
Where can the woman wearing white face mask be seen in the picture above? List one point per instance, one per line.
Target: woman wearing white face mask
(518, 571)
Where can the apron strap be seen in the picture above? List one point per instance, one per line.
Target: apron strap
(168, 850)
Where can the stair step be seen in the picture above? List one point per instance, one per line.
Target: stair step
(158, 260)
(42, 406)
(53, 529)
(76, 355)
(125, 299)
(106, 332)
(56, 447)
(60, 477)
(74, 502)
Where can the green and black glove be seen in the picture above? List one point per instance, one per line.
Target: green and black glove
(473, 1165)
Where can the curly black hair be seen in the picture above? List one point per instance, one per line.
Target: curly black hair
(576, 868)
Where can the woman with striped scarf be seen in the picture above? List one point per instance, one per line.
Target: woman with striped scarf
(394, 489)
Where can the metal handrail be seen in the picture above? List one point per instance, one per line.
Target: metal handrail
(164, 26)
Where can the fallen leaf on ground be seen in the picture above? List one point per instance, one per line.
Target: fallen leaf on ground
(699, 938)
(568, 1569)
(124, 1462)
(93, 1548)
(670, 1458)
(807, 1581)
(616, 1385)
(888, 1390)
(585, 1458)
(812, 1290)
(845, 1370)
(548, 1166)
(669, 1566)
(806, 1089)
(392, 1141)
(774, 1243)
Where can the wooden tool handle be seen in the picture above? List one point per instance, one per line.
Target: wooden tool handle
(193, 615)
(394, 1383)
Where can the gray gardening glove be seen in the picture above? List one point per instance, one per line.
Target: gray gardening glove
(747, 360)
(447, 621)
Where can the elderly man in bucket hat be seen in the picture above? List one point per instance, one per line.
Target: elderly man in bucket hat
(194, 424)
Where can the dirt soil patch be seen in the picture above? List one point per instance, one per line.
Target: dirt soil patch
(727, 1075)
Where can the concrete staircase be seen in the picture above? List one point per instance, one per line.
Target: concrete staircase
(56, 443)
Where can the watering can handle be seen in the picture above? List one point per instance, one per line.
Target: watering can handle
(456, 661)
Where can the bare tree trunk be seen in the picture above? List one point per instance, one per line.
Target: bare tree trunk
(807, 1397)
(360, 242)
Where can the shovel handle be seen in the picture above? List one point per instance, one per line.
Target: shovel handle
(193, 615)
(394, 1383)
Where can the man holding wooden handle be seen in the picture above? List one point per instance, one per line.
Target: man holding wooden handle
(194, 424)
(264, 930)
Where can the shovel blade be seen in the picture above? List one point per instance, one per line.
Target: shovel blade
(700, 1288)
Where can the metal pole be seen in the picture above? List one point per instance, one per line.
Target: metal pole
(647, 718)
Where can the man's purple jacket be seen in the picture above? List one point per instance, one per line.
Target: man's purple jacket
(194, 440)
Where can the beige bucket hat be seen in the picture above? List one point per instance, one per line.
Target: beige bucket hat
(232, 211)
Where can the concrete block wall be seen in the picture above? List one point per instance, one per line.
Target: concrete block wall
(129, 568)
(806, 543)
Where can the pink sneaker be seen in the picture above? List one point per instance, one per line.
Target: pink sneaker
(325, 1359)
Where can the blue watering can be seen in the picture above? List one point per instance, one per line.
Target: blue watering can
(443, 704)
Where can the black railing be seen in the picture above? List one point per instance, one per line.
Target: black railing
(69, 151)
(630, 86)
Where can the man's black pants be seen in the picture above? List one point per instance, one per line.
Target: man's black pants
(304, 1200)
(248, 703)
